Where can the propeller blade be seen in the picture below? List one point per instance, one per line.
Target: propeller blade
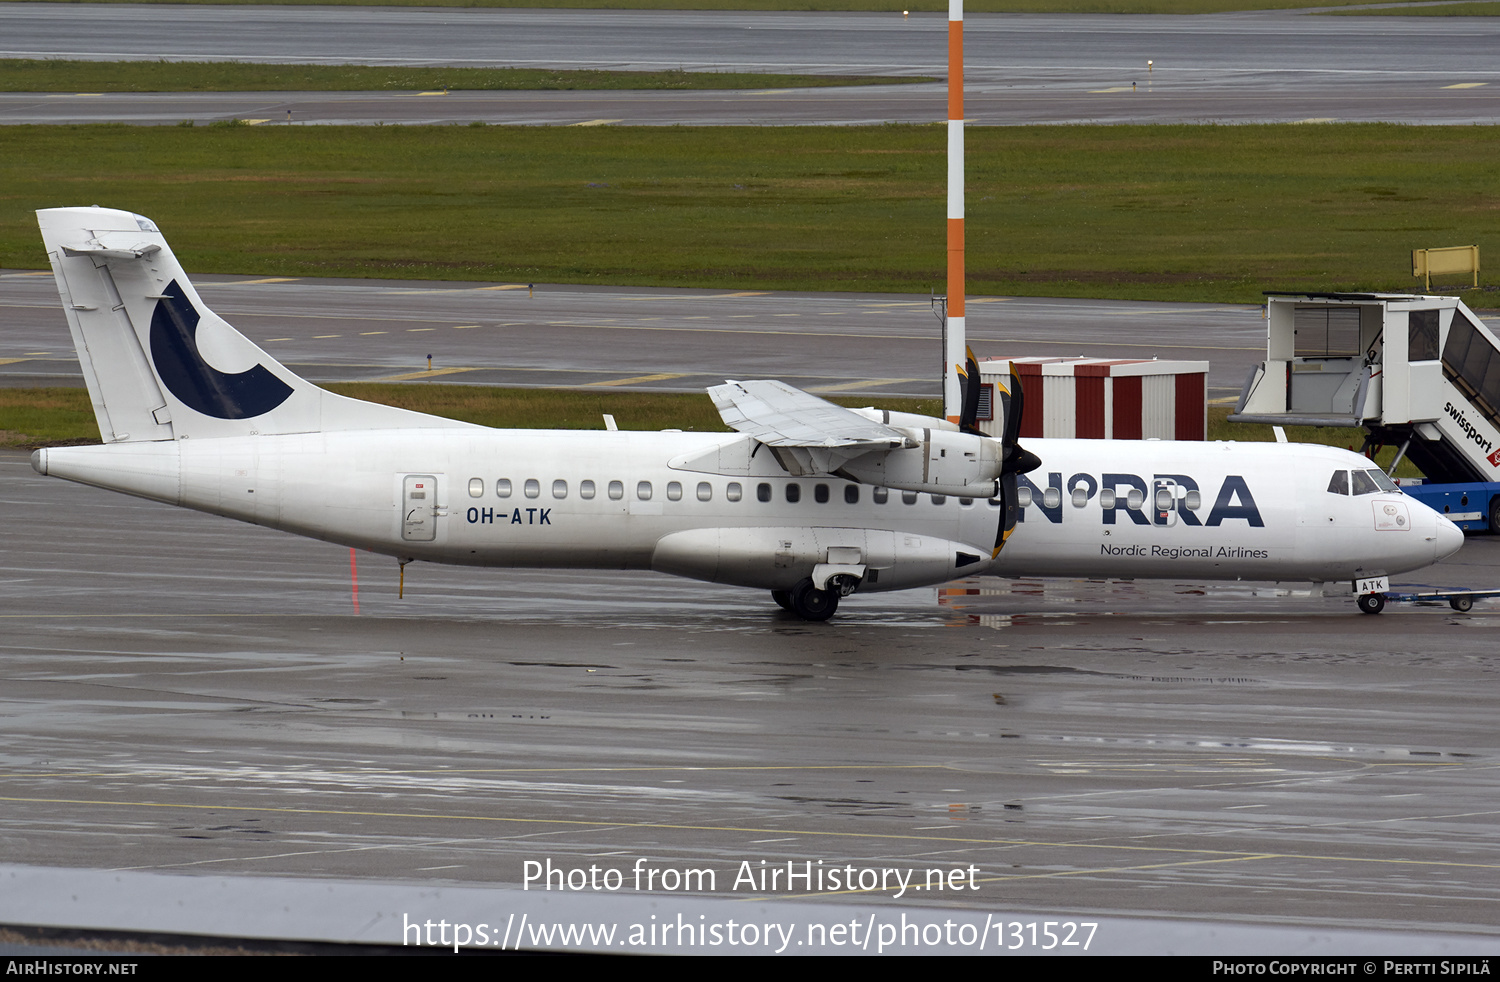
(968, 380)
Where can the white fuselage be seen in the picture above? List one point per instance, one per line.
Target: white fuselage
(708, 506)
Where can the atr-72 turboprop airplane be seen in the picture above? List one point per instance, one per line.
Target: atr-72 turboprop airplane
(806, 499)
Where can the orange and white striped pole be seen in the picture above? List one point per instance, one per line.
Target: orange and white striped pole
(953, 328)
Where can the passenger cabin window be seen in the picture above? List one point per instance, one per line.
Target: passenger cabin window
(616, 490)
(1339, 483)
(674, 490)
(820, 493)
(966, 502)
(733, 491)
(502, 488)
(851, 494)
(908, 497)
(643, 490)
(586, 489)
(1023, 497)
(1052, 498)
(940, 499)
(559, 489)
(476, 487)
(880, 495)
(533, 487)
(763, 492)
(794, 492)
(1135, 499)
(705, 491)
(1194, 500)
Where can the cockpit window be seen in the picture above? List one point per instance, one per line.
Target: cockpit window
(1371, 481)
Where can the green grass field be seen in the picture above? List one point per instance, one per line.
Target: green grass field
(889, 6)
(32, 75)
(1147, 212)
(1479, 8)
(31, 418)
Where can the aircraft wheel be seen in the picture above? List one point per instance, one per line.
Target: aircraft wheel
(783, 598)
(1495, 514)
(1372, 603)
(812, 604)
(1461, 604)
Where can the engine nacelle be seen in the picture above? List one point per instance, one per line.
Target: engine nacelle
(943, 462)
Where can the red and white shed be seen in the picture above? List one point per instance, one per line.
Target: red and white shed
(1104, 398)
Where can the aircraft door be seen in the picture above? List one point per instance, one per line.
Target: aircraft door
(419, 508)
(1165, 496)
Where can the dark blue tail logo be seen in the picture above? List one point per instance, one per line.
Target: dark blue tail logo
(198, 385)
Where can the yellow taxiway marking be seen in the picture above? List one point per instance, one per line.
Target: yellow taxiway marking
(461, 289)
(1117, 88)
(641, 378)
(10, 361)
(36, 354)
(415, 330)
(1315, 119)
(426, 373)
(319, 337)
(365, 334)
(269, 340)
(595, 122)
(273, 279)
(254, 122)
(711, 296)
(861, 384)
(769, 92)
(435, 92)
(1223, 855)
(1466, 85)
(76, 95)
(464, 327)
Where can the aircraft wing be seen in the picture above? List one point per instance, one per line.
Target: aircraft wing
(779, 415)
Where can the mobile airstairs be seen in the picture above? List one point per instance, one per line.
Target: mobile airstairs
(1419, 373)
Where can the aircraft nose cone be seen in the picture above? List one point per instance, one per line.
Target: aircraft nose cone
(1449, 539)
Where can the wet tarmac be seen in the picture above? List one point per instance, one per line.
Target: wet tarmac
(185, 694)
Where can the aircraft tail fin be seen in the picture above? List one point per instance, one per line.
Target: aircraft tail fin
(159, 364)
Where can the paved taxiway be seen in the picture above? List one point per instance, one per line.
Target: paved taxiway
(1246, 67)
(186, 694)
(676, 340)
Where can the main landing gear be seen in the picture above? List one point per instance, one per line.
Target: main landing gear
(812, 604)
(1371, 603)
